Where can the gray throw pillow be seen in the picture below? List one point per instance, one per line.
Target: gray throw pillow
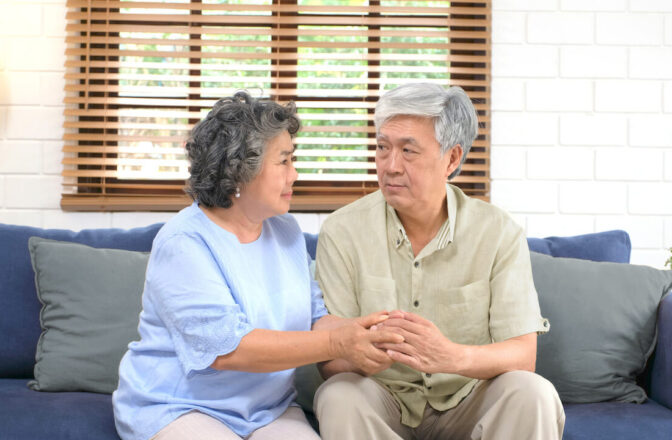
(603, 326)
(91, 301)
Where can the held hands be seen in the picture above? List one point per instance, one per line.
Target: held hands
(354, 341)
(424, 347)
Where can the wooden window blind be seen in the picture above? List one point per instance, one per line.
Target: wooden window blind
(140, 74)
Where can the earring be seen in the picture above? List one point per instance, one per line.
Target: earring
(237, 192)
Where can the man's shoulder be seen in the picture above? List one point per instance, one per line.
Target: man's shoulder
(366, 211)
(473, 213)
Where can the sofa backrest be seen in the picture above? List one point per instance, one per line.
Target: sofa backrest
(613, 246)
(19, 315)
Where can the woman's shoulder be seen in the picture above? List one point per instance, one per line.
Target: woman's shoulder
(285, 231)
(186, 225)
(285, 223)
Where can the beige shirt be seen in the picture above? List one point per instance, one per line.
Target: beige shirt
(473, 281)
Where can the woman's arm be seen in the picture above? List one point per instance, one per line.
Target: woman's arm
(331, 338)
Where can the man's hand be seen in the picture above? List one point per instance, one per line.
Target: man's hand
(424, 348)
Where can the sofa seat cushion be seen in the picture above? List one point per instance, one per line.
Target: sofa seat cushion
(27, 414)
(617, 421)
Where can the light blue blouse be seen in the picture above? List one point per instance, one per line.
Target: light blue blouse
(204, 291)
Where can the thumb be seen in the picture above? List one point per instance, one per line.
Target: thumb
(372, 319)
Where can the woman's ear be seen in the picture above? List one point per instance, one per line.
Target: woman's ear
(454, 159)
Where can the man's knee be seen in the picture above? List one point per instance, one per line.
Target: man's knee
(339, 393)
(527, 389)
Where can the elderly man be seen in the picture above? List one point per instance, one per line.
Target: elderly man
(456, 273)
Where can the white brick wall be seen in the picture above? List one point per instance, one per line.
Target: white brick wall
(588, 129)
(668, 232)
(592, 197)
(650, 131)
(593, 62)
(560, 28)
(588, 147)
(619, 164)
(581, 123)
(629, 29)
(560, 163)
(592, 5)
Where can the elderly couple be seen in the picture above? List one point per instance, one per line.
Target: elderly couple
(431, 318)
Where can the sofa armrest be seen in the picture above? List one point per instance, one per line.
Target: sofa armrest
(661, 373)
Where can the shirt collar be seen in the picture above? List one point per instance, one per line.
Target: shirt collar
(444, 236)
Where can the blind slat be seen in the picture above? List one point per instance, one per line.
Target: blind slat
(324, 9)
(269, 20)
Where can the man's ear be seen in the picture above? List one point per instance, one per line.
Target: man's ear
(454, 159)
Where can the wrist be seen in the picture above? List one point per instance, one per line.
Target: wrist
(464, 358)
(334, 345)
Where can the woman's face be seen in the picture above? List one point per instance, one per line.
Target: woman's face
(270, 192)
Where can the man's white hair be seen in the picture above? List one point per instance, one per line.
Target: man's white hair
(454, 116)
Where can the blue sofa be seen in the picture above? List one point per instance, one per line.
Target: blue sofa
(27, 414)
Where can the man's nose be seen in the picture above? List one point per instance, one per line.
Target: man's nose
(394, 162)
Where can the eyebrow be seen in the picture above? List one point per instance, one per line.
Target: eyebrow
(404, 140)
(288, 152)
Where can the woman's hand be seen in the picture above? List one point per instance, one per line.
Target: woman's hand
(331, 322)
(353, 340)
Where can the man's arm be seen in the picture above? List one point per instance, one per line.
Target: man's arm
(427, 350)
(335, 275)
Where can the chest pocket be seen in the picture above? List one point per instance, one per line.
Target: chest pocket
(463, 313)
(376, 293)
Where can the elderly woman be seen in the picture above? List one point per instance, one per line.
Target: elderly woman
(229, 302)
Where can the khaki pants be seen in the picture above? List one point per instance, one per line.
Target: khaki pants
(194, 425)
(513, 406)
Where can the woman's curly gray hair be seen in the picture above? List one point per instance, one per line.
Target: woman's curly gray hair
(225, 150)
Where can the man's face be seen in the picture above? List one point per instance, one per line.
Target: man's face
(411, 172)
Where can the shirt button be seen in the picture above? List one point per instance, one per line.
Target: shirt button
(398, 241)
(545, 323)
(416, 264)
(429, 388)
(428, 375)
(416, 303)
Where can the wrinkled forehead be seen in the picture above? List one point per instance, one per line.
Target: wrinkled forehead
(406, 129)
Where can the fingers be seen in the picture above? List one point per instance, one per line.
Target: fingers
(402, 348)
(409, 326)
(378, 356)
(372, 319)
(397, 314)
(412, 317)
(405, 359)
(370, 367)
(384, 336)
